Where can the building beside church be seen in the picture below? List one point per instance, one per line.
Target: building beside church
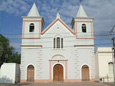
(58, 52)
(104, 64)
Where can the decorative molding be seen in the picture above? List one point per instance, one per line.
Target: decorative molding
(83, 18)
(32, 16)
(32, 20)
(84, 21)
(50, 70)
(66, 76)
(92, 29)
(39, 64)
(76, 63)
(58, 60)
(30, 38)
(84, 38)
(82, 45)
(39, 30)
(31, 46)
(23, 30)
(105, 52)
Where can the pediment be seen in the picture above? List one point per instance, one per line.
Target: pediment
(56, 20)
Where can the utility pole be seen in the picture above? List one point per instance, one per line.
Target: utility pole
(114, 59)
(113, 52)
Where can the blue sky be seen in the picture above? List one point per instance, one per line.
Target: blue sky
(11, 11)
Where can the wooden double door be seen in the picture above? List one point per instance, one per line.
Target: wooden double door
(58, 73)
(85, 73)
(30, 73)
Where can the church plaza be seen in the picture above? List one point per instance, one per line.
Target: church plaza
(61, 84)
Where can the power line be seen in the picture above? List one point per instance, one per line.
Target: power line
(73, 46)
(53, 33)
(67, 46)
(95, 38)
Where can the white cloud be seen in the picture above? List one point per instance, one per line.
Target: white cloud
(14, 6)
(102, 11)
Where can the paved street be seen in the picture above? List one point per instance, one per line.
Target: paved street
(61, 84)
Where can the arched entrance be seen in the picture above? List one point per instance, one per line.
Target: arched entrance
(30, 73)
(85, 73)
(58, 73)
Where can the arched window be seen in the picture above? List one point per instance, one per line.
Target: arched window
(58, 42)
(31, 27)
(110, 64)
(84, 28)
(54, 42)
(61, 42)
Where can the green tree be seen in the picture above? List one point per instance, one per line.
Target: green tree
(14, 58)
(7, 53)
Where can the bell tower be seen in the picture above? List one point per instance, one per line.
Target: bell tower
(82, 25)
(33, 24)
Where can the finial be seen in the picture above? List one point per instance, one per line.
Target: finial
(58, 15)
(34, 1)
(58, 10)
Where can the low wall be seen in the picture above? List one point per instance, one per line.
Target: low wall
(8, 73)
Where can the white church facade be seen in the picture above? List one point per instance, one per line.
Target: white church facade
(57, 53)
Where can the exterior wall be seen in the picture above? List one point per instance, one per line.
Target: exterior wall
(8, 73)
(42, 57)
(31, 56)
(85, 56)
(104, 56)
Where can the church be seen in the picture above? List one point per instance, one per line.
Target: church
(57, 52)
